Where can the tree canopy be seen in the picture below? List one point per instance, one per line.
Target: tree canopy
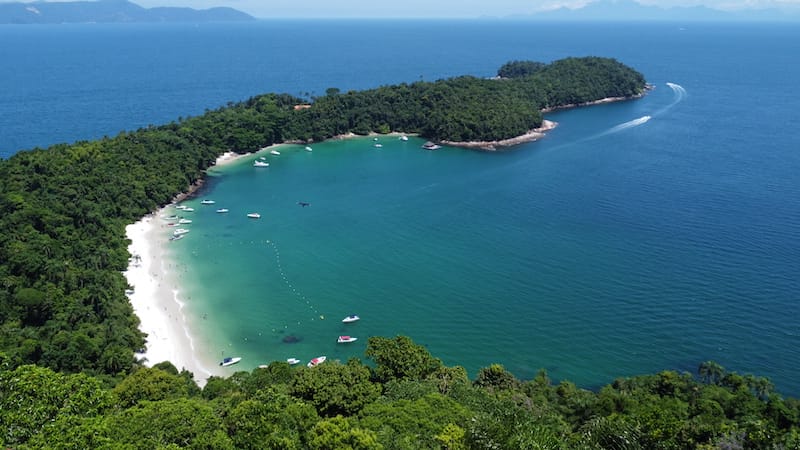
(336, 405)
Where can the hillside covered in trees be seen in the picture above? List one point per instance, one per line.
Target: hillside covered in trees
(407, 399)
(69, 377)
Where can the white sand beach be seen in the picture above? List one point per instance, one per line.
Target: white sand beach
(156, 301)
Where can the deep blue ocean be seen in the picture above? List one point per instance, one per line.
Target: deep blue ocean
(637, 236)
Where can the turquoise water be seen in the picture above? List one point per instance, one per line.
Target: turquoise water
(614, 246)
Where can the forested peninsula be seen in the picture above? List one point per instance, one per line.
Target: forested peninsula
(69, 377)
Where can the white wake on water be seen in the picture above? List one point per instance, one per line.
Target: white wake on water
(680, 94)
(626, 125)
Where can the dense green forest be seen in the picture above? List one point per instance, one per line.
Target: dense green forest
(405, 399)
(69, 377)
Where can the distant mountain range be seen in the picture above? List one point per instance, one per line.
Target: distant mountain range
(629, 10)
(110, 11)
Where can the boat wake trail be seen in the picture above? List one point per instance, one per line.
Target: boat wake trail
(626, 125)
(680, 94)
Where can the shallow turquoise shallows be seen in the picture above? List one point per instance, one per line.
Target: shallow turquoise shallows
(638, 236)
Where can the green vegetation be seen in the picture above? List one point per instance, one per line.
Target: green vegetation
(391, 405)
(63, 210)
(69, 378)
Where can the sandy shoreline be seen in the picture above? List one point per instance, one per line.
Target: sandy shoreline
(156, 300)
(156, 296)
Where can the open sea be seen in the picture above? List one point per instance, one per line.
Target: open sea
(636, 237)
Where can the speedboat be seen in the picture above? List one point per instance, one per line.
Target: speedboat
(378, 145)
(180, 206)
(293, 361)
(403, 138)
(177, 237)
(431, 146)
(351, 318)
(180, 231)
(185, 221)
(260, 164)
(309, 149)
(172, 217)
(275, 152)
(222, 210)
(187, 209)
(254, 215)
(346, 339)
(316, 361)
(207, 202)
(230, 361)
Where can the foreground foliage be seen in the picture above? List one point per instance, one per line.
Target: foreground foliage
(352, 405)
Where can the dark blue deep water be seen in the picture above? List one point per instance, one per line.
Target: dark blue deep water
(615, 246)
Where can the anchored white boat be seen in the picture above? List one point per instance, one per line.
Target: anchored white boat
(403, 138)
(346, 339)
(207, 202)
(275, 152)
(254, 215)
(185, 221)
(222, 210)
(230, 361)
(180, 231)
(309, 149)
(316, 361)
(351, 318)
(293, 361)
(260, 164)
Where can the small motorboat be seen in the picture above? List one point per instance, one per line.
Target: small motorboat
(185, 221)
(351, 318)
(172, 217)
(309, 149)
(346, 339)
(254, 215)
(207, 202)
(230, 361)
(316, 361)
(180, 231)
(177, 237)
(404, 138)
(222, 210)
(260, 164)
(378, 145)
(274, 152)
(293, 361)
(431, 146)
(180, 206)
(187, 209)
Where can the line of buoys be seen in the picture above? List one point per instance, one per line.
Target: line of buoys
(289, 284)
